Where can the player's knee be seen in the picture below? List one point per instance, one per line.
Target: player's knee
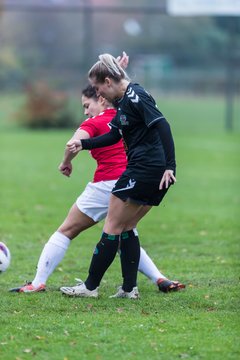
(113, 228)
(71, 231)
(130, 226)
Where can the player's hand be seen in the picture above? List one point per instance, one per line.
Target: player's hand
(123, 60)
(74, 146)
(65, 168)
(167, 179)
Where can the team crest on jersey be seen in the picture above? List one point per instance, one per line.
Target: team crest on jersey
(123, 120)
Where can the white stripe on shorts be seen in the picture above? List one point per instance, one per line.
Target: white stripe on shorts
(130, 185)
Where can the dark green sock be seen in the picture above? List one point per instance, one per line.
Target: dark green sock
(130, 255)
(102, 258)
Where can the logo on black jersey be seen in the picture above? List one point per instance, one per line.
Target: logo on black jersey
(123, 120)
(132, 95)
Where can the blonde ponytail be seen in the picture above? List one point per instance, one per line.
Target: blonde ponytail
(107, 66)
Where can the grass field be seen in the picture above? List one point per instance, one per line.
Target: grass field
(193, 236)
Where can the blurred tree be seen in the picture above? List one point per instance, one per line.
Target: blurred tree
(46, 108)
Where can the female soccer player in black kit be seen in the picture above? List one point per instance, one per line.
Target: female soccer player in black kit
(148, 176)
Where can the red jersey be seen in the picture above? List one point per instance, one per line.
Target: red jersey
(111, 160)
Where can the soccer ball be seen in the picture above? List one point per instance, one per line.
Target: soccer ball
(5, 257)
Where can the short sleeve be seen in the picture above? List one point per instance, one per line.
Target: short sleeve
(89, 127)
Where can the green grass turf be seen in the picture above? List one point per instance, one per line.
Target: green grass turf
(193, 236)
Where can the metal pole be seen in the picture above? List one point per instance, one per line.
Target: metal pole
(88, 40)
(230, 73)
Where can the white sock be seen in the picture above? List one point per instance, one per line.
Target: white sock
(148, 268)
(52, 253)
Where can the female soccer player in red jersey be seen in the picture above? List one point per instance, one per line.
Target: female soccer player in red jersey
(150, 172)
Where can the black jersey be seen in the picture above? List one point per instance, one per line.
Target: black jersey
(136, 119)
(145, 132)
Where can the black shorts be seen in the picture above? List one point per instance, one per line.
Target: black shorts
(138, 191)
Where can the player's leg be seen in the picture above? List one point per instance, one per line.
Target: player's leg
(146, 265)
(148, 268)
(57, 245)
(91, 207)
(119, 215)
(123, 214)
(130, 248)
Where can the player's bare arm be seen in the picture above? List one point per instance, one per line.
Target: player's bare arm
(65, 166)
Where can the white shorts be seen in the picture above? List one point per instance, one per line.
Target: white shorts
(94, 200)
